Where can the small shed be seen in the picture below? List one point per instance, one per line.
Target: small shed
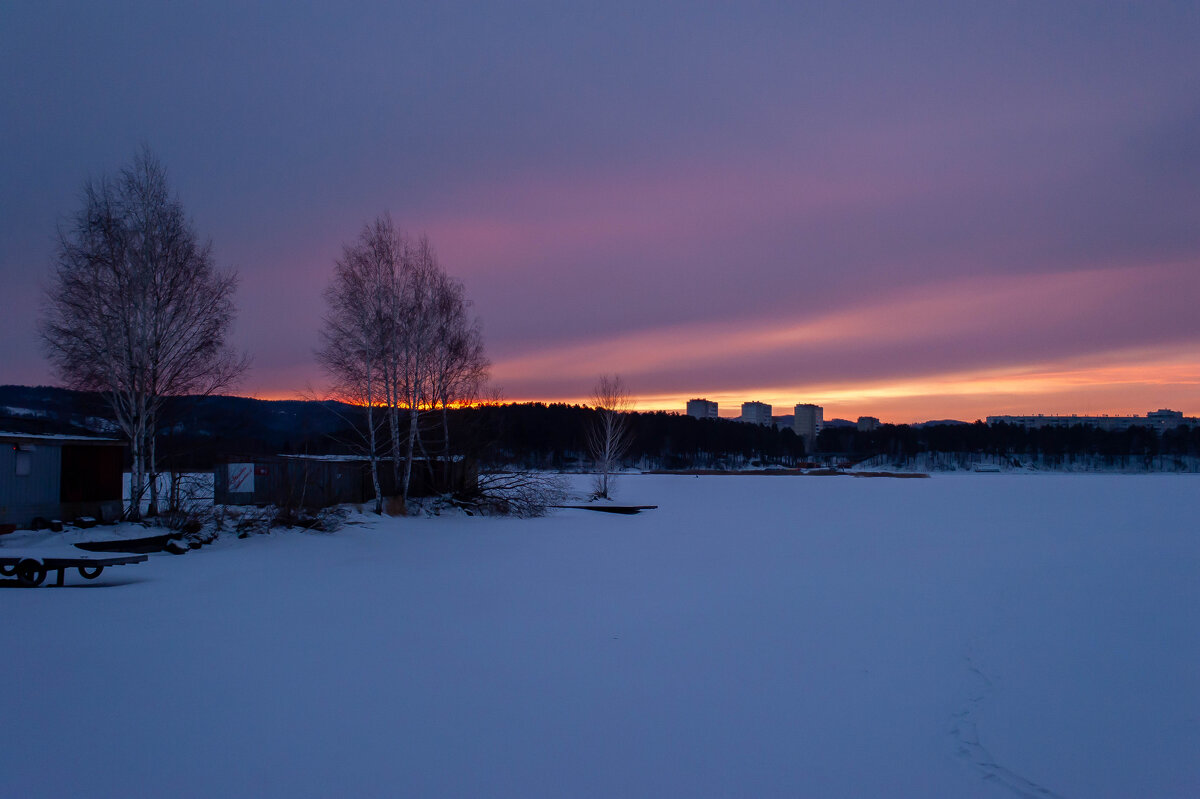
(59, 477)
(319, 481)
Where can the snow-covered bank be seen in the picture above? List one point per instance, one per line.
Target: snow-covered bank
(959, 636)
(1032, 464)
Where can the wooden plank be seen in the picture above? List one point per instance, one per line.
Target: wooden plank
(153, 543)
(69, 563)
(624, 509)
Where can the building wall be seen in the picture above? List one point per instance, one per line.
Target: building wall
(757, 413)
(809, 419)
(702, 409)
(322, 482)
(36, 494)
(40, 493)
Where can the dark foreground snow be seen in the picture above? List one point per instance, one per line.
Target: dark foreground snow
(982, 635)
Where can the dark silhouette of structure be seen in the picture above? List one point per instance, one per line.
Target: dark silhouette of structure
(51, 477)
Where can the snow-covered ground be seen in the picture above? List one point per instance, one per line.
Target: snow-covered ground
(961, 636)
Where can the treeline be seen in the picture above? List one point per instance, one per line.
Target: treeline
(523, 436)
(199, 432)
(900, 442)
(553, 436)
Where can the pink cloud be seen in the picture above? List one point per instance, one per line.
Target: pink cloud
(976, 307)
(543, 220)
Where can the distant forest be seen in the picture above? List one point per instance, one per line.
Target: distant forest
(1048, 446)
(198, 432)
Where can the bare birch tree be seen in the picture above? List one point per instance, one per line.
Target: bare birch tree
(458, 366)
(399, 338)
(609, 436)
(358, 329)
(136, 308)
(414, 344)
(436, 356)
(398, 333)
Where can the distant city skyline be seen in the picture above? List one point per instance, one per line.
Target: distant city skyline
(909, 213)
(730, 408)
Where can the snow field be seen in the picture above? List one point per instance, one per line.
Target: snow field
(966, 635)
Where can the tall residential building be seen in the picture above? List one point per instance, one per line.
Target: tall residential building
(757, 413)
(808, 421)
(867, 423)
(702, 409)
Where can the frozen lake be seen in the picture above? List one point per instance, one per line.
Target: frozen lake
(961, 636)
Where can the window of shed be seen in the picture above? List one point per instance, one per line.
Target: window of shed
(24, 464)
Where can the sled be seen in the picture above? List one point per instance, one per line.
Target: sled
(31, 570)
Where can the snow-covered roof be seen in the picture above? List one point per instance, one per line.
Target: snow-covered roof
(60, 438)
(359, 458)
(334, 458)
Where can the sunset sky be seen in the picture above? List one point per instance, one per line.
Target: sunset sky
(907, 210)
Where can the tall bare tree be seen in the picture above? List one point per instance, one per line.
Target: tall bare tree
(359, 326)
(137, 309)
(609, 436)
(398, 332)
(458, 366)
(415, 331)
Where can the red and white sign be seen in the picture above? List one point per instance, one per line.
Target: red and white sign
(241, 478)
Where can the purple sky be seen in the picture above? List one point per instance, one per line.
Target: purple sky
(908, 210)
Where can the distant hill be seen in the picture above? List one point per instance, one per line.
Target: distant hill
(196, 430)
(44, 409)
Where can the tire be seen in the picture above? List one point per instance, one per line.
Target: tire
(8, 571)
(31, 572)
(90, 572)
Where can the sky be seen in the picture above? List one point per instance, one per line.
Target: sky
(906, 210)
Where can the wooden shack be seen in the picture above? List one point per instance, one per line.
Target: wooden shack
(319, 481)
(59, 477)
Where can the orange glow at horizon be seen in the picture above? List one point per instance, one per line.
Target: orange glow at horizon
(1117, 383)
(1132, 380)
(1113, 385)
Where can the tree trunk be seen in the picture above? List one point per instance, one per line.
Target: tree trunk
(394, 422)
(153, 469)
(446, 480)
(412, 440)
(445, 431)
(373, 453)
(136, 486)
